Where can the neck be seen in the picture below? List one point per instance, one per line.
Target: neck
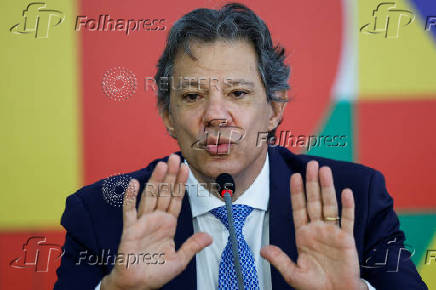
(243, 180)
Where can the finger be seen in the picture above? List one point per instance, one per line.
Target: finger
(314, 207)
(328, 193)
(192, 246)
(281, 262)
(298, 200)
(179, 191)
(347, 220)
(129, 203)
(149, 194)
(165, 191)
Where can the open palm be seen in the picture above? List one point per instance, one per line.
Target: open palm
(147, 241)
(327, 255)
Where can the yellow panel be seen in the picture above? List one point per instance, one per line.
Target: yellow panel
(400, 62)
(427, 268)
(39, 118)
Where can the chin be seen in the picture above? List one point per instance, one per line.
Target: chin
(213, 168)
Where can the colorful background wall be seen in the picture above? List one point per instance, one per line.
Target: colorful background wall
(76, 107)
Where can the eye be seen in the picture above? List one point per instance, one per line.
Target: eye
(191, 97)
(238, 94)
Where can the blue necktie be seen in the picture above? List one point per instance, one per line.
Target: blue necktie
(227, 275)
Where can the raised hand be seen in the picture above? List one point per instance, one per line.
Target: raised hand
(151, 229)
(327, 255)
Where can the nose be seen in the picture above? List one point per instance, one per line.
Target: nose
(217, 111)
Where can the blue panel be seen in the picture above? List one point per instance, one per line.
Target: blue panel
(426, 10)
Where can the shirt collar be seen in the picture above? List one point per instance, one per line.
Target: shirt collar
(256, 196)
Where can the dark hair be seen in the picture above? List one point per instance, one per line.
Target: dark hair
(233, 22)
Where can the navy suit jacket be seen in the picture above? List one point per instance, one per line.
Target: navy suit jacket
(93, 225)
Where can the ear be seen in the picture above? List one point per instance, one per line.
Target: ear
(166, 117)
(278, 104)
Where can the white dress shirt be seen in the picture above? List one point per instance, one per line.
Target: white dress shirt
(255, 231)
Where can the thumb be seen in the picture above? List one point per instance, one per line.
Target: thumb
(281, 262)
(192, 246)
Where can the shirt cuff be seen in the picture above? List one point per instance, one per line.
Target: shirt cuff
(366, 282)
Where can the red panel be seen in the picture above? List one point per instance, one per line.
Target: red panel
(398, 139)
(42, 274)
(122, 136)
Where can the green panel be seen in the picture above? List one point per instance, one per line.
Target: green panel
(419, 230)
(335, 140)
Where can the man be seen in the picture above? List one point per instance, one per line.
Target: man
(315, 220)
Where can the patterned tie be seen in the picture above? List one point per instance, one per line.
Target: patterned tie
(227, 275)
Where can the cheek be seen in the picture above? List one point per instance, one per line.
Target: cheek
(186, 124)
(257, 119)
(253, 126)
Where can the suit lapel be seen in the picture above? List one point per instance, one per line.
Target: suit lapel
(281, 225)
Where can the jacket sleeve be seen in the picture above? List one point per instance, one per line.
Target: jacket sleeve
(386, 263)
(79, 268)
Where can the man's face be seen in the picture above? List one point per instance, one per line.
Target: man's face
(219, 89)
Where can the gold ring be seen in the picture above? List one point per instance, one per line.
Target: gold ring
(332, 218)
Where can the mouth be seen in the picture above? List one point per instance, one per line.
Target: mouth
(220, 149)
(218, 141)
(219, 146)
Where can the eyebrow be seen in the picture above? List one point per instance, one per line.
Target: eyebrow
(235, 82)
(190, 82)
(205, 82)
